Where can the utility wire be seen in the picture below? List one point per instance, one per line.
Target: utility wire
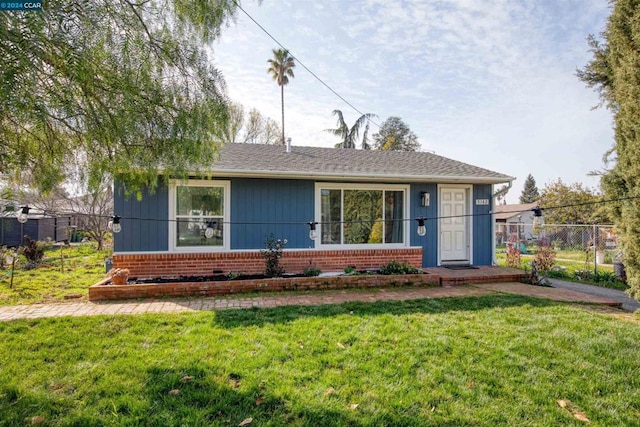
(301, 63)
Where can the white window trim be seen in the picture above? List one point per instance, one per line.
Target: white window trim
(319, 186)
(226, 233)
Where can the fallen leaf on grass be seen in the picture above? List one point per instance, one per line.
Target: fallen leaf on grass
(259, 401)
(329, 391)
(245, 422)
(186, 379)
(340, 345)
(353, 406)
(174, 392)
(470, 384)
(571, 407)
(38, 419)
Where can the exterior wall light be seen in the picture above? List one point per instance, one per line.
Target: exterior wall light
(23, 216)
(424, 198)
(312, 230)
(114, 224)
(422, 229)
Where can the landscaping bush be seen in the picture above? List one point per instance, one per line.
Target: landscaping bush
(394, 267)
(272, 255)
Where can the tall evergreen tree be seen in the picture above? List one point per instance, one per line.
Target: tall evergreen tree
(281, 68)
(530, 191)
(614, 72)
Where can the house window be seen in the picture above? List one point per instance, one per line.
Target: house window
(197, 205)
(362, 215)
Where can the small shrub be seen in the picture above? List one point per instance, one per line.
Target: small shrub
(272, 255)
(514, 258)
(545, 258)
(4, 253)
(33, 251)
(311, 272)
(350, 269)
(233, 276)
(394, 267)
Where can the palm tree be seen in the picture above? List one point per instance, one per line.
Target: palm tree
(349, 135)
(281, 68)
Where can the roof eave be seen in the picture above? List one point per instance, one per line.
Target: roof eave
(234, 173)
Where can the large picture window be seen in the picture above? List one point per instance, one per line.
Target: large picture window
(196, 206)
(360, 216)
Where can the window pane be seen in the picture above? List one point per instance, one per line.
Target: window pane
(362, 209)
(330, 210)
(394, 210)
(190, 232)
(200, 201)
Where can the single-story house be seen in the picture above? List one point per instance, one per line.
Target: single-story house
(515, 222)
(365, 207)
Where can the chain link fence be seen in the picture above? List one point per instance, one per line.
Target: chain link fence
(578, 247)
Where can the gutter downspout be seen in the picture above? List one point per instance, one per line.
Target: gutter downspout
(494, 259)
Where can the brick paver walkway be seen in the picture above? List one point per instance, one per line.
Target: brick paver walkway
(316, 298)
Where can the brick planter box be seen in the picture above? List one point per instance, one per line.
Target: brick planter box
(105, 291)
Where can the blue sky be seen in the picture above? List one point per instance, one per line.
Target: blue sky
(491, 83)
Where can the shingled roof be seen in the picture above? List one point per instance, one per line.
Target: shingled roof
(257, 160)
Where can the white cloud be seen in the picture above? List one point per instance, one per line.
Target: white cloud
(491, 83)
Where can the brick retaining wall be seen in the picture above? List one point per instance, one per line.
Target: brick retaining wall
(103, 291)
(293, 261)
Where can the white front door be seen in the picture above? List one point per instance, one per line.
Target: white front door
(454, 229)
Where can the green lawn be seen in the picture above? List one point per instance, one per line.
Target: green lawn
(493, 360)
(62, 271)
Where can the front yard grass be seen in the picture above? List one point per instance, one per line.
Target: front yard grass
(62, 271)
(491, 360)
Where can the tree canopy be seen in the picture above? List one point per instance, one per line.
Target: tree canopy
(251, 127)
(530, 191)
(614, 72)
(394, 134)
(350, 136)
(110, 87)
(571, 204)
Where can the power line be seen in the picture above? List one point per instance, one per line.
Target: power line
(302, 64)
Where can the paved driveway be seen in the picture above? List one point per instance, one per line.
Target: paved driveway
(628, 304)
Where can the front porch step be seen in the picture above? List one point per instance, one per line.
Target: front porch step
(477, 274)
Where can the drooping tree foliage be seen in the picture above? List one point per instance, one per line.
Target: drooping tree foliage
(394, 134)
(530, 191)
(349, 136)
(614, 72)
(110, 87)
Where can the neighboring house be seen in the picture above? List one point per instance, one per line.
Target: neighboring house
(365, 203)
(514, 222)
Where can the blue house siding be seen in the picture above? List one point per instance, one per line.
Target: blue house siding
(151, 231)
(259, 207)
(429, 241)
(482, 239)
